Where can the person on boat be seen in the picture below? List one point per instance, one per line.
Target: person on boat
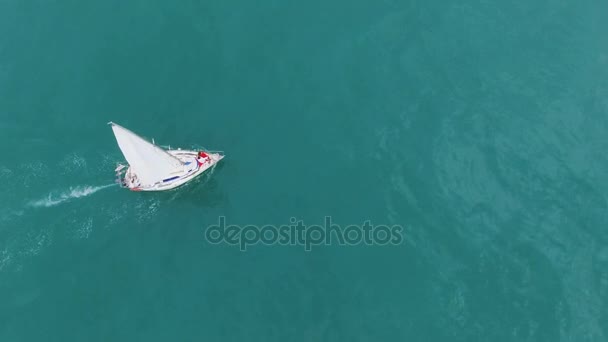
(134, 180)
(202, 158)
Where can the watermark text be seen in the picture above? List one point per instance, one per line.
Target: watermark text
(296, 233)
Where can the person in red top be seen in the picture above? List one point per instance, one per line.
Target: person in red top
(201, 158)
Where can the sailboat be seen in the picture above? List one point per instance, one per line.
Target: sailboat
(153, 168)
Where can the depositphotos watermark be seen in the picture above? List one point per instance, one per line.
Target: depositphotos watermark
(296, 233)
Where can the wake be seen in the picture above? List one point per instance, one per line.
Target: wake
(72, 193)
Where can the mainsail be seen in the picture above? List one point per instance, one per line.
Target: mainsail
(149, 162)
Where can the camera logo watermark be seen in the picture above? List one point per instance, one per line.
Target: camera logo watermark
(299, 234)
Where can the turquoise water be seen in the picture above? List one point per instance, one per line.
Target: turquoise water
(480, 127)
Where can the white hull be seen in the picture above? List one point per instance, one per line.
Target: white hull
(191, 170)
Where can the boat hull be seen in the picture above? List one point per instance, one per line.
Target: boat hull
(174, 181)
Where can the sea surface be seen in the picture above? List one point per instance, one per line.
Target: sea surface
(479, 127)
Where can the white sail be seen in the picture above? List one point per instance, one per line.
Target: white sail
(148, 162)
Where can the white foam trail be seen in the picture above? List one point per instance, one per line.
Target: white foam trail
(5, 259)
(73, 193)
